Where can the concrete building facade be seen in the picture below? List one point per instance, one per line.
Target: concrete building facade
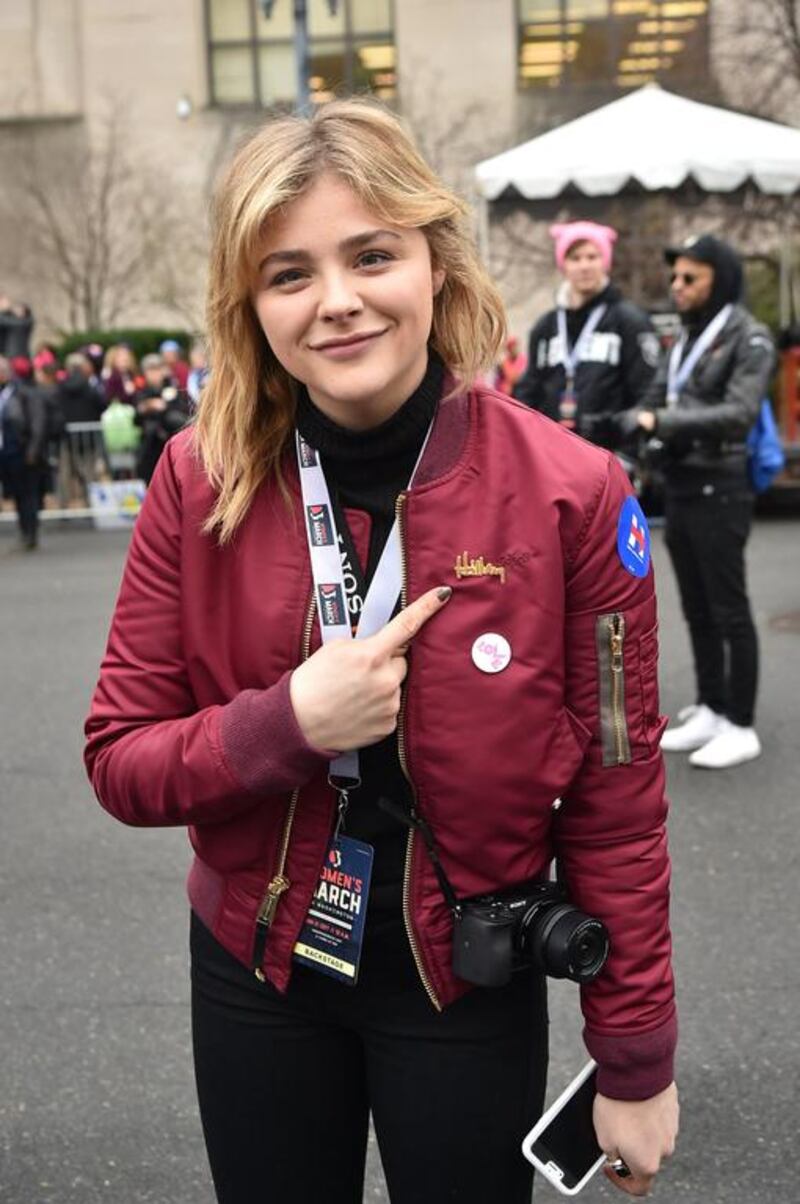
(151, 97)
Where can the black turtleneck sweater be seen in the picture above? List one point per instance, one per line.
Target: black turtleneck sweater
(366, 470)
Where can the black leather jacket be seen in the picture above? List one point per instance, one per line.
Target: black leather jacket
(705, 432)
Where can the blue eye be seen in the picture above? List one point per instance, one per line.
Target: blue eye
(290, 276)
(374, 258)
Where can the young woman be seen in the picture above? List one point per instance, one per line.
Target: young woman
(120, 375)
(341, 793)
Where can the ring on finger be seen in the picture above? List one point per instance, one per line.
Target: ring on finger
(620, 1167)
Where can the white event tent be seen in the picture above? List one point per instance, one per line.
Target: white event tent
(656, 139)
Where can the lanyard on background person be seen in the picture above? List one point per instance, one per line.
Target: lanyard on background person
(329, 587)
(5, 397)
(679, 370)
(571, 358)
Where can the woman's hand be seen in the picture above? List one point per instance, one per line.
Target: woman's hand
(347, 695)
(641, 1132)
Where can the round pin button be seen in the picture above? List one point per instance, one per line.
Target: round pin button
(491, 653)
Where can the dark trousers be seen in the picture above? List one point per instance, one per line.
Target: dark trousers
(24, 483)
(286, 1084)
(706, 537)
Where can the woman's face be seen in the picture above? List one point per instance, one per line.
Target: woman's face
(346, 303)
(583, 268)
(123, 360)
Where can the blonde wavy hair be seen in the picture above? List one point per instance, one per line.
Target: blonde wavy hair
(246, 413)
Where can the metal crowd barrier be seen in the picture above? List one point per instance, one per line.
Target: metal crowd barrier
(79, 462)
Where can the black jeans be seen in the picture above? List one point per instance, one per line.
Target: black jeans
(286, 1083)
(24, 483)
(706, 537)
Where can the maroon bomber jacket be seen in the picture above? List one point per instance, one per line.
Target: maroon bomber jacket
(192, 723)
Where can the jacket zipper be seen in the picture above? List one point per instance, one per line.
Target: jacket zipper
(279, 883)
(401, 753)
(617, 626)
(611, 665)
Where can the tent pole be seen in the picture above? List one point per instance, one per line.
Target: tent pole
(785, 279)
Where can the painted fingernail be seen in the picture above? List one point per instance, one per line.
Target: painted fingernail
(444, 592)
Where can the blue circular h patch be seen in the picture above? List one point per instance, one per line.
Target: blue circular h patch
(633, 538)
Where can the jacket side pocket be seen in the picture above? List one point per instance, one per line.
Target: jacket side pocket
(610, 643)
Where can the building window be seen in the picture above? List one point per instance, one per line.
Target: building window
(251, 57)
(622, 43)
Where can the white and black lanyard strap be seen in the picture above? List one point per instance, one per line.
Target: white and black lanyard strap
(571, 358)
(329, 584)
(679, 369)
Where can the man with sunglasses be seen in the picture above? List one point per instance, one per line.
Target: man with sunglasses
(698, 411)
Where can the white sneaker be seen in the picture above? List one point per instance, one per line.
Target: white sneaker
(731, 747)
(701, 725)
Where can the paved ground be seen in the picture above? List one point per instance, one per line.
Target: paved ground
(96, 1092)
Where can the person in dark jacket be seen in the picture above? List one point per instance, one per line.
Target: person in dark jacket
(23, 454)
(699, 410)
(16, 324)
(82, 400)
(594, 355)
(10, 440)
(344, 466)
(161, 410)
(81, 394)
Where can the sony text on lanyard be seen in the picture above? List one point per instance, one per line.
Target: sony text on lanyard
(329, 587)
(679, 370)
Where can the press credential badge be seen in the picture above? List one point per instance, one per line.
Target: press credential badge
(332, 935)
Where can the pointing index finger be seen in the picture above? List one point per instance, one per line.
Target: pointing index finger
(400, 631)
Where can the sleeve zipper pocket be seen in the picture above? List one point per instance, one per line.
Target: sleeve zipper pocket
(610, 641)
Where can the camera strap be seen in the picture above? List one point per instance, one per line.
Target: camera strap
(410, 818)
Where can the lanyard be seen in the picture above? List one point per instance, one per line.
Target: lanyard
(679, 369)
(329, 588)
(5, 396)
(571, 359)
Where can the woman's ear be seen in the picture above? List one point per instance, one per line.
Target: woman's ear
(438, 276)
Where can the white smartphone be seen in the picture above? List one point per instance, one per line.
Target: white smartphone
(562, 1144)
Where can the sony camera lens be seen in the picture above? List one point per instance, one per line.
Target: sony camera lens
(566, 943)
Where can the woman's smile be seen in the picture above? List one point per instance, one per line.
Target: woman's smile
(349, 346)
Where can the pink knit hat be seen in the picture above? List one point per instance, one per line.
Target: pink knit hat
(566, 234)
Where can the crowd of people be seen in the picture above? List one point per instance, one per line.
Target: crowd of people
(46, 402)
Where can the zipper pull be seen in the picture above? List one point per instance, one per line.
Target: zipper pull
(616, 644)
(266, 915)
(277, 886)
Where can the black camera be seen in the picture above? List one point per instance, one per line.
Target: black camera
(532, 925)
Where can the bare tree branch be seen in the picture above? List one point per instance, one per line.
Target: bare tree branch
(758, 51)
(105, 222)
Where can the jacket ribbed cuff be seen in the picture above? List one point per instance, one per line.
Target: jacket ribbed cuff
(635, 1067)
(262, 743)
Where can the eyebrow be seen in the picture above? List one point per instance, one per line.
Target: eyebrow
(347, 244)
